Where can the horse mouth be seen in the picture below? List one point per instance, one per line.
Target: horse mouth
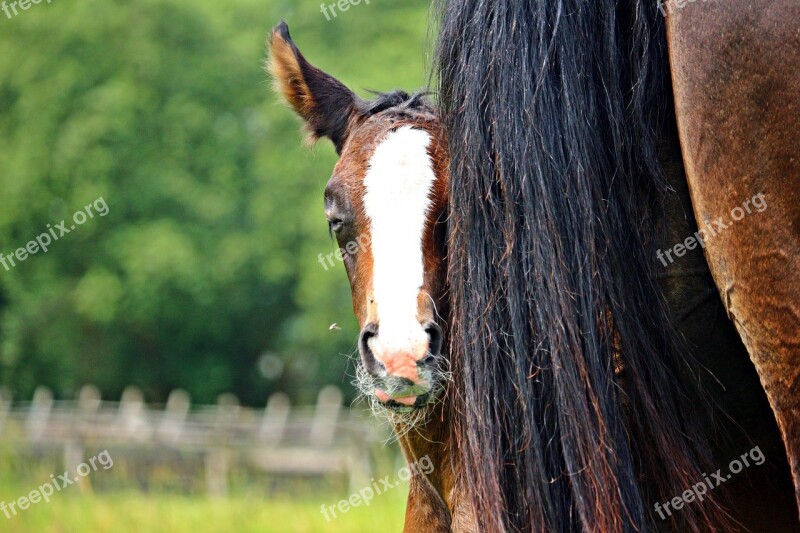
(403, 403)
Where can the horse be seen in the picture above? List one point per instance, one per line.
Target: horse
(386, 205)
(400, 375)
(575, 131)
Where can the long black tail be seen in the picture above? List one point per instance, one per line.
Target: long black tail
(552, 109)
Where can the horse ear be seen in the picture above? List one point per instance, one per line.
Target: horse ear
(323, 101)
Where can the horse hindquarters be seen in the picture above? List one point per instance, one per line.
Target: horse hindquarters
(736, 78)
(760, 497)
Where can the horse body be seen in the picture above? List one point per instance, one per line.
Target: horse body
(555, 112)
(736, 77)
(761, 498)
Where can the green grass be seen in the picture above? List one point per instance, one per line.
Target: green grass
(137, 512)
(166, 494)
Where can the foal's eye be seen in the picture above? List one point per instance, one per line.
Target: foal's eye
(335, 225)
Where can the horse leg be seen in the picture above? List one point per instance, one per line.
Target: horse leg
(736, 79)
(424, 512)
(760, 497)
(429, 454)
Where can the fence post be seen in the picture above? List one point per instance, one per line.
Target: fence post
(218, 457)
(41, 406)
(88, 405)
(131, 419)
(326, 414)
(274, 422)
(74, 454)
(174, 416)
(5, 406)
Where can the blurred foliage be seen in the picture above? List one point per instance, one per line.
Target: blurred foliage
(204, 273)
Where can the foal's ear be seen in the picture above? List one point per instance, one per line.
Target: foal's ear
(323, 101)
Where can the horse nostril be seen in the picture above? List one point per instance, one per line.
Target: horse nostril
(429, 360)
(435, 341)
(371, 363)
(369, 331)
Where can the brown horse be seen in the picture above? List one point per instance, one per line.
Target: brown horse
(736, 72)
(390, 189)
(386, 204)
(568, 123)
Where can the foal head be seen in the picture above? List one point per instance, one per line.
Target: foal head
(386, 205)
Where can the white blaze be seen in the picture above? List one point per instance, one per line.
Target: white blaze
(398, 186)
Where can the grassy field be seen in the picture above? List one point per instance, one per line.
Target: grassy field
(137, 512)
(166, 493)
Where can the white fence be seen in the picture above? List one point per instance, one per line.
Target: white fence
(319, 440)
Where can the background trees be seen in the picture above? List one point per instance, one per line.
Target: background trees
(204, 274)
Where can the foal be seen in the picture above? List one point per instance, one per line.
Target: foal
(386, 204)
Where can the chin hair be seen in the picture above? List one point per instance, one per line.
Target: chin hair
(402, 418)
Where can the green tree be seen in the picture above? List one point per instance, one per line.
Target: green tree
(207, 259)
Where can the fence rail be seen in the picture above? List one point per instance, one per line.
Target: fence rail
(317, 440)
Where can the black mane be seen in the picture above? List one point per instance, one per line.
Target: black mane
(551, 109)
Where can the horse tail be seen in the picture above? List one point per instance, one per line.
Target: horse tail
(552, 109)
